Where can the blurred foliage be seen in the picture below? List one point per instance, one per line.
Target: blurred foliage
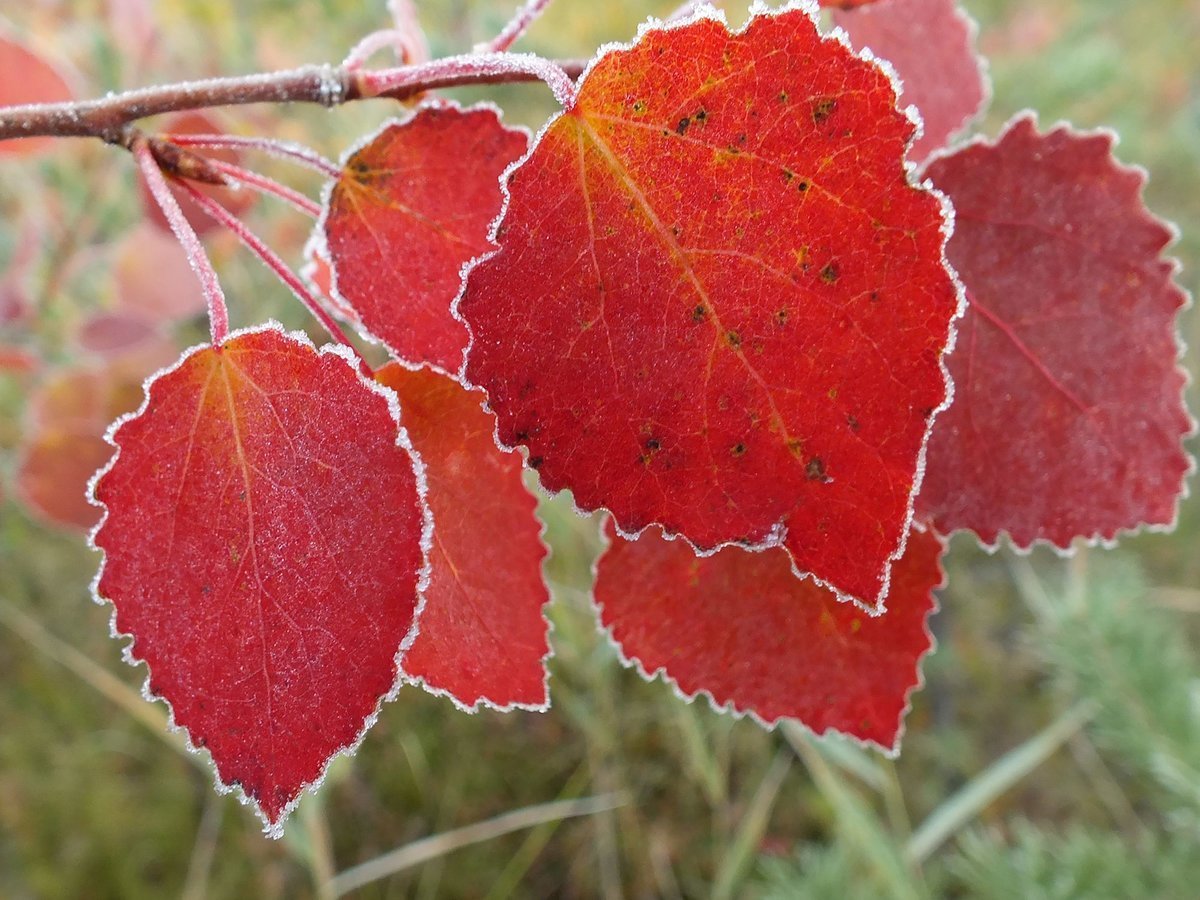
(97, 800)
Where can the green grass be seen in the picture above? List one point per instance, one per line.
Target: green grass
(96, 801)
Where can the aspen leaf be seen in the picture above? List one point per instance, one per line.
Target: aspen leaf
(411, 207)
(1068, 413)
(483, 636)
(63, 443)
(741, 628)
(263, 547)
(719, 304)
(930, 43)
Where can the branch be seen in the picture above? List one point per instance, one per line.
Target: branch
(110, 118)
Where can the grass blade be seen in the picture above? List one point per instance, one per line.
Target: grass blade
(975, 796)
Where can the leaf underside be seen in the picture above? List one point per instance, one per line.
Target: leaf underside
(1068, 414)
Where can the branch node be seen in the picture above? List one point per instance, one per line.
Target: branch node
(335, 85)
(181, 163)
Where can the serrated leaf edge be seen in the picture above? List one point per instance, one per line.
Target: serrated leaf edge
(731, 708)
(318, 242)
(272, 830)
(1003, 537)
(702, 12)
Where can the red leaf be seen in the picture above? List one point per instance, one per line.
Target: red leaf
(115, 333)
(152, 277)
(741, 628)
(413, 205)
(263, 546)
(483, 637)
(63, 442)
(1068, 414)
(931, 44)
(236, 200)
(28, 77)
(719, 305)
(844, 4)
(318, 274)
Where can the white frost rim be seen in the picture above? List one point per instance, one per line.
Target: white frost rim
(759, 9)
(402, 440)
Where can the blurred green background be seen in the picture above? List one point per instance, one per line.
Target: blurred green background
(1054, 752)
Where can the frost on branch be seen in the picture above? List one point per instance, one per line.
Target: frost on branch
(234, 199)
(1068, 413)
(930, 43)
(483, 636)
(719, 304)
(743, 629)
(263, 547)
(411, 207)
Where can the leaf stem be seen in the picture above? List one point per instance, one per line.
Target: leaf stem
(218, 312)
(474, 68)
(286, 150)
(518, 25)
(109, 118)
(265, 185)
(389, 38)
(255, 245)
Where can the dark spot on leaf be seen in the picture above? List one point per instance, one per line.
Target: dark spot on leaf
(653, 444)
(682, 127)
(815, 469)
(788, 175)
(738, 449)
(852, 422)
(701, 115)
(639, 106)
(829, 274)
(802, 186)
(783, 97)
(874, 296)
(733, 339)
(823, 109)
(781, 317)
(699, 314)
(535, 462)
